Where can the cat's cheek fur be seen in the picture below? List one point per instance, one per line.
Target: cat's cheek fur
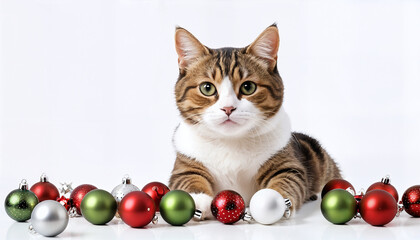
(202, 203)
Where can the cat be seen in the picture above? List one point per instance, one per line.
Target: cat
(235, 133)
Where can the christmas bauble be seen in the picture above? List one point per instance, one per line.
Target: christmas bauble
(177, 207)
(20, 202)
(45, 190)
(338, 206)
(98, 207)
(267, 206)
(49, 218)
(79, 193)
(378, 207)
(67, 204)
(123, 189)
(228, 207)
(411, 201)
(156, 190)
(137, 209)
(385, 185)
(336, 184)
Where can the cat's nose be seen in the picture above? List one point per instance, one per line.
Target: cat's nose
(228, 110)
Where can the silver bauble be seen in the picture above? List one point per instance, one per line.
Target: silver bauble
(123, 189)
(267, 206)
(49, 218)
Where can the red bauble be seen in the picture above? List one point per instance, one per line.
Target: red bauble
(66, 202)
(411, 201)
(228, 207)
(156, 190)
(45, 190)
(336, 184)
(378, 207)
(137, 209)
(386, 186)
(79, 193)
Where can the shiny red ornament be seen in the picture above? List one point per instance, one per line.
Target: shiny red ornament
(137, 209)
(66, 202)
(385, 185)
(79, 193)
(411, 201)
(156, 190)
(228, 207)
(45, 190)
(336, 184)
(378, 207)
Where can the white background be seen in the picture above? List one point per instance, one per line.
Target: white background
(86, 87)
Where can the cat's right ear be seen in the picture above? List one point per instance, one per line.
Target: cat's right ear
(188, 48)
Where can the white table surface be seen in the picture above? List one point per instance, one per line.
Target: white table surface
(308, 223)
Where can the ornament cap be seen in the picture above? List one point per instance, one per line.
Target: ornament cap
(289, 204)
(386, 180)
(31, 229)
(247, 217)
(43, 178)
(126, 179)
(155, 219)
(198, 214)
(23, 185)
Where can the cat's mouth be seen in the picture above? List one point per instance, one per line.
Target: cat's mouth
(228, 122)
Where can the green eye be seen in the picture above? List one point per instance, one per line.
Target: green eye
(248, 88)
(207, 89)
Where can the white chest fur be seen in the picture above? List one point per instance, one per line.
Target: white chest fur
(234, 162)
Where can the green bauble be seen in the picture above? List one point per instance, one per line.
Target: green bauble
(338, 206)
(98, 207)
(177, 207)
(20, 203)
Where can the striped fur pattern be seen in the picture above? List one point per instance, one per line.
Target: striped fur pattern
(235, 133)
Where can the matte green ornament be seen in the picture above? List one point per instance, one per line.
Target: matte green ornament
(98, 207)
(177, 207)
(20, 203)
(338, 206)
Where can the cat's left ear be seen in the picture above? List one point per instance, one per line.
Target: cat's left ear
(266, 46)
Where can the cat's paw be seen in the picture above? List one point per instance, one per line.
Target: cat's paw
(203, 203)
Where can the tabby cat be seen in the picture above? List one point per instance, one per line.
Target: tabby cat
(235, 133)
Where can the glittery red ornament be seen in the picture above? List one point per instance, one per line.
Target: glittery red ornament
(156, 190)
(79, 193)
(228, 207)
(378, 207)
(45, 190)
(137, 209)
(65, 202)
(385, 185)
(336, 184)
(411, 201)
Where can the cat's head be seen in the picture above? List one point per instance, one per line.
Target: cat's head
(228, 91)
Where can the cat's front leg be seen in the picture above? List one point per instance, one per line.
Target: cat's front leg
(287, 176)
(202, 203)
(193, 177)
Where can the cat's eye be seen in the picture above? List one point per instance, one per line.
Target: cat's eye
(207, 89)
(248, 88)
